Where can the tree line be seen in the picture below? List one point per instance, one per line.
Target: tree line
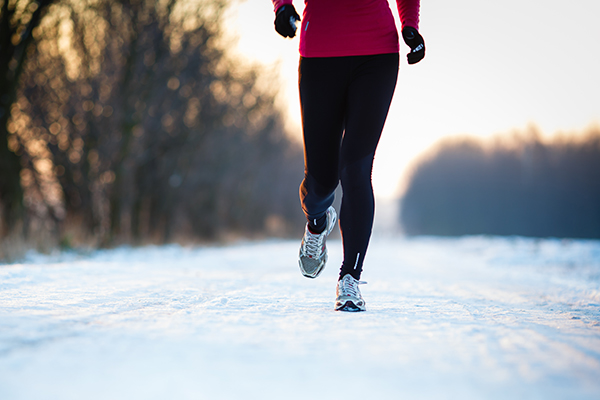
(125, 121)
(509, 185)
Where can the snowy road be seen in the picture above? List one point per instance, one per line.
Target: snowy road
(470, 318)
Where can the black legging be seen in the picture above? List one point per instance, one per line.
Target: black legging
(344, 101)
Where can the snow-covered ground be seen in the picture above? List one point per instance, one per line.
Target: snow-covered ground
(467, 318)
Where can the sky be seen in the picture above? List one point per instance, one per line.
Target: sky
(490, 68)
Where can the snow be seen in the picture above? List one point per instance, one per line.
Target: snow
(468, 318)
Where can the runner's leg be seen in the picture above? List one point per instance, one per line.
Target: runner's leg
(322, 99)
(369, 96)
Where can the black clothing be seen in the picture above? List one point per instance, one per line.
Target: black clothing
(344, 101)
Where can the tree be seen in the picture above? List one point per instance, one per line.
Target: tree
(133, 124)
(18, 19)
(519, 186)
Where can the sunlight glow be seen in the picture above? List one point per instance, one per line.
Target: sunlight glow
(490, 68)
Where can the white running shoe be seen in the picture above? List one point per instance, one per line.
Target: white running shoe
(348, 295)
(313, 251)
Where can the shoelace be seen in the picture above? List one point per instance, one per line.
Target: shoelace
(313, 243)
(350, 287)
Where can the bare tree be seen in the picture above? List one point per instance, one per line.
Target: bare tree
(135, 112)
(18, 19)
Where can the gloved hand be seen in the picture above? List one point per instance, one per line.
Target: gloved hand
(414, 40)
(285, 20)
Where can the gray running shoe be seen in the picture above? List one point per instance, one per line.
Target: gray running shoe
(313, 252)
(348, 295)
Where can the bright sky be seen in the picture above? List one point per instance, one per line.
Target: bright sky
(490, 67)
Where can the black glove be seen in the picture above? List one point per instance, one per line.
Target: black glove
(285, 20)
(414, 40)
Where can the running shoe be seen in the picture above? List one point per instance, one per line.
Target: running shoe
(348, 295)
(313, 251)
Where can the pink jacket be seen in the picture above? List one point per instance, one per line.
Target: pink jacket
(336, 28)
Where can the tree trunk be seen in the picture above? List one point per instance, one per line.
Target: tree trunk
(13, 52)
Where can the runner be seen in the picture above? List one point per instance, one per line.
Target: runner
(347, 75)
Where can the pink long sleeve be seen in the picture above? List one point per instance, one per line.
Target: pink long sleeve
(337, 28)
(408, 10)
(279, 3)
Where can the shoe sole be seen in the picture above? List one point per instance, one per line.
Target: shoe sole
(349, 306)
